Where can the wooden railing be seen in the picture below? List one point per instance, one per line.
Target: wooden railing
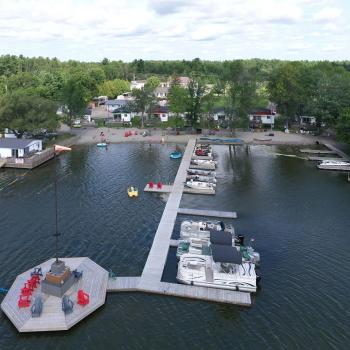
(31, 161)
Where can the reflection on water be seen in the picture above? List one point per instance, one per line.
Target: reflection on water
(299, 217)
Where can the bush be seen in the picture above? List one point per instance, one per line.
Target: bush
(136, 122)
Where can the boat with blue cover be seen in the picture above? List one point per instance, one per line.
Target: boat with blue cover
(175, 155)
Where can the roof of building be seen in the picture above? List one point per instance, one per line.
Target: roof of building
(161, 89)
(15, 143)
(116, 102)
(261, 111)
(161, 109)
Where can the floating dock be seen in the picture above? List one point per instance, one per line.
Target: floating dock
(211, 213)
(94, 282)
(168, 189)
(150, 280)
(317, 151)
(313, 158)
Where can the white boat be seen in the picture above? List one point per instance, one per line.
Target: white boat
(201, 172)
(223, 270)
(327, 164)
(199, 185)
(202, 245)
(203, 162)
(201, 229)
(201, 178)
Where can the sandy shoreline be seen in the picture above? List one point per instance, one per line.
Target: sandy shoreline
(92, 136)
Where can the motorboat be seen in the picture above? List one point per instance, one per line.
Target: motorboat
(176, 155)
(198, 229)
(202, 245)
(203, 162)
(224, 269)
(102, 144)
(200, 185)
(201, 178)
(333, 164)
(201, 172)
(133, 191)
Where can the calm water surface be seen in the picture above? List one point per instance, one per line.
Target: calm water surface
(299, 217)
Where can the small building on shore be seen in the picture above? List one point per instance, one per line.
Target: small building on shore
(19, 148)
(262, 117)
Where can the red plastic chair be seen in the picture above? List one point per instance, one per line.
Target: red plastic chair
(23, 301)
(83, 298)
(126, 134)
(151, 184)
(32, 283)
(26, 290)
(159, 185)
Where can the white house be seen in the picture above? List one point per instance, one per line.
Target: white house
(127, 96)
(162, 112)
(18, 148)
(306, 120)
(261, 117)
(219, 114)
(161, 92)
(137, 84)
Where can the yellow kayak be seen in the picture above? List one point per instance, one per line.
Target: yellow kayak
(133, 191)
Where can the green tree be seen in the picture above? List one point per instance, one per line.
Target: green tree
(195, 93)
(21, 112)
(113, 88)
(144, 98)
(343, 126)
(78, 89)
(177, 99)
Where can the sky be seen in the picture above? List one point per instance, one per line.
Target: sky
(89, 30)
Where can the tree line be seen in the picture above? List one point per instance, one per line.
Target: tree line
(31, 89)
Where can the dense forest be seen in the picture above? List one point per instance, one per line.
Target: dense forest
(31, 89)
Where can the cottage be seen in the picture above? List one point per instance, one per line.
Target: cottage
(262, 117)
(306, 120)
(162, 112)
(137, 84)
(218, 114)
(161, 92)
(112, 105)
(19, 148)
(123, 114)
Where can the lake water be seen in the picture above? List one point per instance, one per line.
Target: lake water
(298, 216)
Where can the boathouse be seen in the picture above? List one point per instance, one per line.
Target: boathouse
(19, 148)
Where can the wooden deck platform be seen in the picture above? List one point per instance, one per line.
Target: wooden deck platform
(337, 151)
(174, 243)
(123, 284)
(150, 280)
(314, 158)
(93, 282)
(211, 213)
(168, 189)
(317, 151)
(154, 189)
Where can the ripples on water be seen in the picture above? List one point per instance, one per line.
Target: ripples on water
(299, 217)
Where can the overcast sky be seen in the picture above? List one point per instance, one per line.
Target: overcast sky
(90, 30)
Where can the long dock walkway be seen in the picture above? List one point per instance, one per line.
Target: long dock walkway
(153, 270)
